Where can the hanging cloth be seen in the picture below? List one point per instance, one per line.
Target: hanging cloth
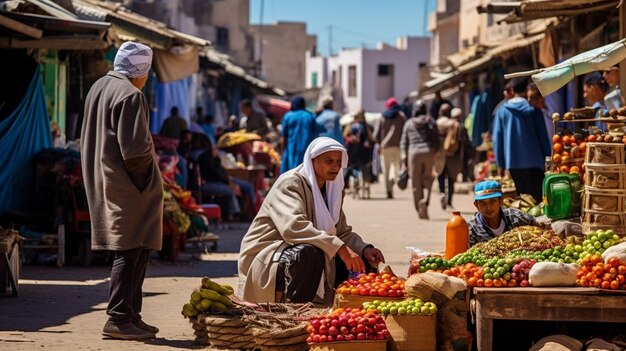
(23, 133)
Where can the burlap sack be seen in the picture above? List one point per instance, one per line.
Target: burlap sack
(603, 155)
(605, 180)
(553, 274)
(436, 287)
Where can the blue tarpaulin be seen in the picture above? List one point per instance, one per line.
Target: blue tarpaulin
(168, 95)
(23, 133)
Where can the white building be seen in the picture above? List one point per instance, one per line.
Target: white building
(368, 77)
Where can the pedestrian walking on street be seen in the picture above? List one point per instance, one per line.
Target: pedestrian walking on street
(453, 136)
(123, 185)
(388, 133)
(359, 139)
(173, 125)
(520, 141)
(329, 119)
(299, 129)
(418, 145)
(299, 246)
(438, 101)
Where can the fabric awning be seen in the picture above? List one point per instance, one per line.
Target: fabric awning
(551, 79)
(529, 10)
(478, 62)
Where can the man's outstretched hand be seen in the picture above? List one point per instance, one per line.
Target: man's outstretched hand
(374, 256)
(353, 261)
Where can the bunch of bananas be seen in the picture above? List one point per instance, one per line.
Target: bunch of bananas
(211, 296)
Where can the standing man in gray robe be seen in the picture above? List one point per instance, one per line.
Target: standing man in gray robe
(123, 185)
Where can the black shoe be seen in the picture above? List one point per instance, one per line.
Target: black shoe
(146, 327)
(389, 195)
(126, 331)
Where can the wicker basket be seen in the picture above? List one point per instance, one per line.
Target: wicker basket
(610, 178)
(604, 153)
(604, 209)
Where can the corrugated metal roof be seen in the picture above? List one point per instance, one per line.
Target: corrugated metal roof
(134, 26)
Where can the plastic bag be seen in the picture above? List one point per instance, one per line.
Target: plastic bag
(418, 254)
(618, 251)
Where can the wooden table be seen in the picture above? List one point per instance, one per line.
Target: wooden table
(544, 304)
(9, 264)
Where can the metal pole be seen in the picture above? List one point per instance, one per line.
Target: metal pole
(260, 73)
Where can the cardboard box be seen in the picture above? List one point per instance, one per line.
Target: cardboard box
(356, 345)
(412, 332)
(356, 301)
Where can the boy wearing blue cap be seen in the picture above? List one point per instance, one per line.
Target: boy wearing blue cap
(492, 220)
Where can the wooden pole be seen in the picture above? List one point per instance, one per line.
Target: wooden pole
(622, 34)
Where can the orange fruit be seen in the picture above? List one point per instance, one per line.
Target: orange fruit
(574, 170)
(558, 147)
(565, 159)
(556, 138)
(567, 140)
(591, 138)
(564, 169)
(556, 159)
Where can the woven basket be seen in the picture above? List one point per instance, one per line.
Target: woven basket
(604, 153)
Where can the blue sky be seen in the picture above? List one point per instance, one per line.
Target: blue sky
(355, 23)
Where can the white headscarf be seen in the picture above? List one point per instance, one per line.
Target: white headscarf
(326, 216)
(133, 59)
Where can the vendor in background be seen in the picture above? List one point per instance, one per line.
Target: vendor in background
(594, 90)
(299, 246)
(613, 97)
(492, 220)
(255, 120)
(536, 100)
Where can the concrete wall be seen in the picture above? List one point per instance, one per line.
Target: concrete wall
(284, 53)
(471, 24)
(315, 64)
(201, 18)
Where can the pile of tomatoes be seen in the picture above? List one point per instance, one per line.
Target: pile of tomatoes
(595, 273)
(373, 284)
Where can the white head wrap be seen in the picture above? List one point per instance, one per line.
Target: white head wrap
(133, 60)
(326, 215)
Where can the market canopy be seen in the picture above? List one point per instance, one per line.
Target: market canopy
(528, 10)
(551, 79)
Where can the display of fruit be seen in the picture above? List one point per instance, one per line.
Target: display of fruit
(470, 272)
(596, 242)
(413, 306)
(521, 270)
(384, 284)
(595, 273)
(211, 296)
(568, 151)
(433, 264)
(527, 238)
(473, 255)
(347, 325)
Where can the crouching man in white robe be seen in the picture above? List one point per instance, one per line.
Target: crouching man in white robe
(299, 246)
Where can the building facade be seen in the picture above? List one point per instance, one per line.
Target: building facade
(366, 78)
(280, 52)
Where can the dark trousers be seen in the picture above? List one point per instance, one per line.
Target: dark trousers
(528, 181)
(445, 175)
(127, 275)
(300, 269)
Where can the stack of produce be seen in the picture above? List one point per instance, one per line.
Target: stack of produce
(347, 325)
(568, 152)
(383, 284)
(219, 321)
(412, 306)
(525, 203)
(506, 261)
(527, 238)
(596, 273)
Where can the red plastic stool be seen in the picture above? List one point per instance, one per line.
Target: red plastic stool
(213, 212)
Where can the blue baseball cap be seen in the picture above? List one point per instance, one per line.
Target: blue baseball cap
(487, 189)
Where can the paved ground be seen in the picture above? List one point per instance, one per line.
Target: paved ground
(63, 309)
